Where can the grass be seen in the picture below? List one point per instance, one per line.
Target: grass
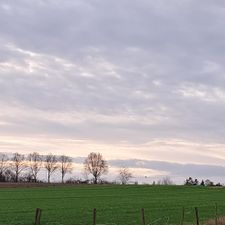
(120, 205)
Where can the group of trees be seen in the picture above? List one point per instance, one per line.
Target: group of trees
(164, 181)
(19, 167)
(194, 182)
(95, 165)
(26, 168)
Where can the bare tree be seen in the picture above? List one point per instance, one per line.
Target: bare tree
(165, 181)
(3, 165)
(125, 175)
(9, 176)
(34, 165)
(95, 165)
(51, 165)
(66, 165)
(17, 164)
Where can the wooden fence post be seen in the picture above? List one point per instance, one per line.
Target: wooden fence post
(197, 216)
(38, 216)
(94, 216)
(143, 216)
(182, 217)
(216, 214)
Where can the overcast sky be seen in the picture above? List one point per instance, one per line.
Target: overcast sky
(133, 79)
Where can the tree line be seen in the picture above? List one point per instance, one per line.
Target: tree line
(20, 167)
(195, 182)
(26, 168)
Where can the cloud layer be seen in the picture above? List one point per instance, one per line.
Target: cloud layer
(118, 77)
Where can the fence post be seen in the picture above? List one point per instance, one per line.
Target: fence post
(143, 216)
(38, 216)
(182, 217)
(216, 214)
(94, 216)
(197, 216)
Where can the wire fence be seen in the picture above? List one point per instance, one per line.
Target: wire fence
(143, 221)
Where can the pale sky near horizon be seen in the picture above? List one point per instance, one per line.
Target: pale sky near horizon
(133, 79)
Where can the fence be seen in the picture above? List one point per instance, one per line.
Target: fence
(143, 221)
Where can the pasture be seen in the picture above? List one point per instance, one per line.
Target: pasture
(119, 205)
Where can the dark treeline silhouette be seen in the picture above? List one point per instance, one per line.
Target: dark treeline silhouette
(18, 167)
(195, 182)
(26, 168)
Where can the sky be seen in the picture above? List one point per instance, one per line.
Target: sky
(140, 81)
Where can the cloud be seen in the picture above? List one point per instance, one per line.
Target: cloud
(173, 169)
(107, 73)
(176, 171)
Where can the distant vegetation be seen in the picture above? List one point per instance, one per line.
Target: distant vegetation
(18, 167)
(21, 168)
(26, 168)
(194, 182)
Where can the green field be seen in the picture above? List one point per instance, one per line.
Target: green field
(118, 205)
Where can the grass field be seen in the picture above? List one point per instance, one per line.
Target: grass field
(118, 205)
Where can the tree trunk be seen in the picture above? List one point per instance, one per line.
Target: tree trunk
(35, 177)
(49, 177)
(17, 175)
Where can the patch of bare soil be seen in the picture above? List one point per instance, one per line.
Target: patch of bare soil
(31, 185)
(220, 221)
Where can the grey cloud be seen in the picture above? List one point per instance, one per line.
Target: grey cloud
(174, 169)
(129, 60)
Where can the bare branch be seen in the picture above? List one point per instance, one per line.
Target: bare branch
(66, 165)
(125, 175)
(95, 165)
(51, 165)
(34, 164)
(18, 164)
